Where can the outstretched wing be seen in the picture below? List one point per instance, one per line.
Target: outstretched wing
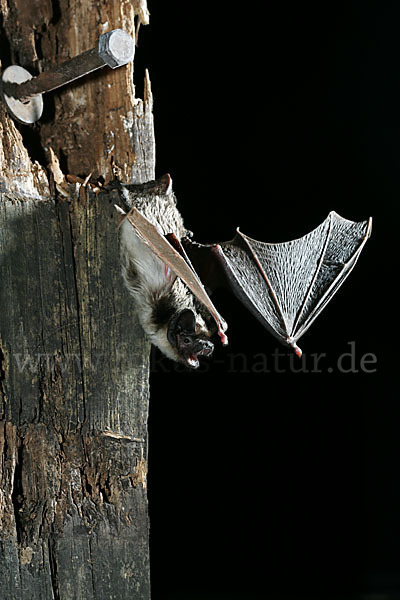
(285, 285)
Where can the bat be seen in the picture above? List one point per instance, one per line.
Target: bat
(170, 276)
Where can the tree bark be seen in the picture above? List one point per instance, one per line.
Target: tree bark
(73, 359)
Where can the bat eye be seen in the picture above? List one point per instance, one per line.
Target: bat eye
(182, 324)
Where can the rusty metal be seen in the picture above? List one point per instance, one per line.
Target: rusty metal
(81, 65)
(19, 89)
(24, 112)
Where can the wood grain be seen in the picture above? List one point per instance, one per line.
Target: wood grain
(74, 363)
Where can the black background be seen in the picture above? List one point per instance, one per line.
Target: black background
(280, 484)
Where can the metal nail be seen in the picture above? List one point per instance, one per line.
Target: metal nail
(22, 93)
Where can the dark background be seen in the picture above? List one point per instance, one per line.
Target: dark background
(280, 484)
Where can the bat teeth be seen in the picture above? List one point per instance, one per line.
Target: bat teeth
(192, 362)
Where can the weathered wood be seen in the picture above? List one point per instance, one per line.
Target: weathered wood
(74, 405)
(73, 358)
(98, 117)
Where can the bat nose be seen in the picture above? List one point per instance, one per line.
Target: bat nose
(208, 348)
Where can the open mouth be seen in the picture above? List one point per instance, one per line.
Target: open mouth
(192, 359)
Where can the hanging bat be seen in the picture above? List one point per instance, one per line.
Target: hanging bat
(285, 286)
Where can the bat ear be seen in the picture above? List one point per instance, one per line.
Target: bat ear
(184, 321)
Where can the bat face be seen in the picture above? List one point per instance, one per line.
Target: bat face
(182, 336)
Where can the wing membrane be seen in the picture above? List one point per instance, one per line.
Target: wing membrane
(171, 257)
(287, 285)
(284, 285)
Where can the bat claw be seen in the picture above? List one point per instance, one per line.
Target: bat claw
(223, 337)
(298, 351)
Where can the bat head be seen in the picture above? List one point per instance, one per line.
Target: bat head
(188, 343)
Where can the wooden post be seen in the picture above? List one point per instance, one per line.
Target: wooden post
(73, 359)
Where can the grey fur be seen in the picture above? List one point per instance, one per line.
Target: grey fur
(158, 294)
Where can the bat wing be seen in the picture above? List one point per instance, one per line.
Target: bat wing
(171, 252)
(284, 285)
